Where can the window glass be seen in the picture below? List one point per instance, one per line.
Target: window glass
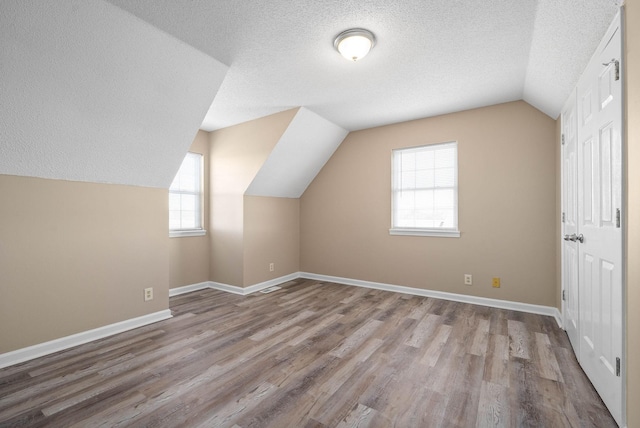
(425, 190)
(185, 195)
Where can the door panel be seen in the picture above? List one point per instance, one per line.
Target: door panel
(599, 199)
(585, 107)
(587, 312)
(606, 184)
(586, 201)
(606, 86)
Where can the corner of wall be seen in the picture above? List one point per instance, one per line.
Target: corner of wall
(236, 155)
(189, 257)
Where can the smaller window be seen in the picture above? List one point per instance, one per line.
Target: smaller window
(185, 198)
(425, 190)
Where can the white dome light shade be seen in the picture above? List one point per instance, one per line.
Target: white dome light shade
(354, 44)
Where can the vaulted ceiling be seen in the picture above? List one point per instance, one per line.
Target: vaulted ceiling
(432, 57)
(88, 92)
(114, 91)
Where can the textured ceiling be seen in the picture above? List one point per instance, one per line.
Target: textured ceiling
(431, 57)
(89, 92)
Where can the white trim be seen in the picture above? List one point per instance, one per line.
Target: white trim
(233, 288)
(188, 288)
(405, 231)
(271, 283)
(253, 288)
(484, 301)
(228, 288)
(558, 316)
(46, 348)
(186, 233)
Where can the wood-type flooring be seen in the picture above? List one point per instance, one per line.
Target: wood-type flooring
(312, 355)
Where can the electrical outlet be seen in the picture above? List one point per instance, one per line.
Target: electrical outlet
(495, 283)
(148, 294)
(272, 267)
(468, 279)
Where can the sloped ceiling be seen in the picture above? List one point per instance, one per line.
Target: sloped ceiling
(565, 36)
(115, 91)
(298, 157)
(89, 92)
(431, 57)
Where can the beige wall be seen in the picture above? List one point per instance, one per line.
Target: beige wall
(507, 216)
(237, 154)
(189, 257)
(271, 235)
(77, 256)
(632, 58)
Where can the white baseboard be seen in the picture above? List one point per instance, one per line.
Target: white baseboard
(243, 291)
(253, 288)
(558, 316)
(228, 288)
(188, 288)
(484, 301)
(46, 348)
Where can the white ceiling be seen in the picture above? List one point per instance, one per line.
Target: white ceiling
(432, 57)
(89, 92)
(301, 152)
(115, 91)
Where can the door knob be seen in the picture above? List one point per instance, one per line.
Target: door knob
(573, 237)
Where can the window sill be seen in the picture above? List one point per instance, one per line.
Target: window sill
(186, 233)
(425, 232)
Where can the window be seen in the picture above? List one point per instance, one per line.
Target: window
(185, 198)
(425, 191)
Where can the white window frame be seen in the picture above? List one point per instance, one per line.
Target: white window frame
(198, 181)
(396, 188)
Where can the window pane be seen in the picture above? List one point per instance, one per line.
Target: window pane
(425, 178)
(444, 158)
(425, 187)
(443, 198)
(424, 199)
(188, 202)
(408, 161)
(174, 201)
(174, 219)
(445, 177)
(188, 220)
(424, 160)
(185, 195)
(408, 180)
(406, 200)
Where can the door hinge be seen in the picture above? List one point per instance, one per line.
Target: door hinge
(617, 217)
(616, 64)
(617, 366)
(563, 217)
(562, 139)
(564, 295)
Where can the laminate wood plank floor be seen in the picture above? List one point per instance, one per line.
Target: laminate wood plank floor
(312, 354)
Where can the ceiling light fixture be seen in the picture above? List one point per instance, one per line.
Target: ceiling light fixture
(355, 43)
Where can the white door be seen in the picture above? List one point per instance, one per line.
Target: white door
(570, 294)
(599, 233)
